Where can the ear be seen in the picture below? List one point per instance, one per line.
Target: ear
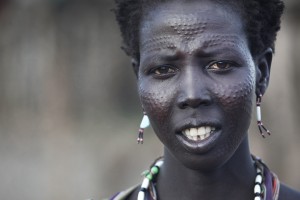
(263, 69)
(135, 66)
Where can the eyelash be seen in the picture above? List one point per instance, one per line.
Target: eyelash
(171, 70)
(228, 65)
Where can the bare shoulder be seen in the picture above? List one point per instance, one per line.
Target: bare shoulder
(134, 194)
(287, 193)
(128, 194)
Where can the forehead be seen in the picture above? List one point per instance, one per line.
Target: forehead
(191, 12)
(195, 20)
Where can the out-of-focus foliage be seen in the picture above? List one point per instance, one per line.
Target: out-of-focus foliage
(69, 110)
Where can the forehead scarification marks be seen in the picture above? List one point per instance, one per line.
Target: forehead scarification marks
(214, 40)
(202, 41)
(187, 26)
(158, 43)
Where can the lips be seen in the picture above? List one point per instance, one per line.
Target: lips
(199, 137)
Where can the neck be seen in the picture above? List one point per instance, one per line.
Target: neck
(233, 180)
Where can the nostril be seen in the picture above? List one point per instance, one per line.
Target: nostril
(194, 102)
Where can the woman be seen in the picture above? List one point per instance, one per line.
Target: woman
(199, 66)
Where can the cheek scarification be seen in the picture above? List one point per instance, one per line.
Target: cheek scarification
(157, 103)
(236, 100)
(236, 96)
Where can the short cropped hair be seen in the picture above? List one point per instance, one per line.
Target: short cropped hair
(261, 19)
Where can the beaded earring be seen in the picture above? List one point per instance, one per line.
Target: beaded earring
(260, 125)
(144, 124)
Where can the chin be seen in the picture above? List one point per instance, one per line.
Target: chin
(204, 163)
(211, 160)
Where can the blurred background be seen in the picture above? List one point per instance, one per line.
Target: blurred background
(69, 111)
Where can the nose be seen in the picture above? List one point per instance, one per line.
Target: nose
(193, 91)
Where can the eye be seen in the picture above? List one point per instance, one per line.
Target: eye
(164, 70)
(221, 66)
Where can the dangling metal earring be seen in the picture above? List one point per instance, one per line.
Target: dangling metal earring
(260, 125)
(144, 124)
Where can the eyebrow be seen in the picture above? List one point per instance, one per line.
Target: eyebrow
(167, 56)
(216, 43)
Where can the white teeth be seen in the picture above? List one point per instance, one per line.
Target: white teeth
(200, 133)
(193, 132)
(207, 129)
(187, 132)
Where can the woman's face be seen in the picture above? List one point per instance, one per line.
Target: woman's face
(196, 80)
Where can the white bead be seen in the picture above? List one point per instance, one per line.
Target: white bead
(145, 183)
(258, 113)
(257, 198)
(145, 122)
(258, 170)
(257, 189)
(159, 163)
(141, 196)
(258, 179)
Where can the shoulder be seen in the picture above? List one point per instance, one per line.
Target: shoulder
(128, 194)
(134, 194)
(287, 193)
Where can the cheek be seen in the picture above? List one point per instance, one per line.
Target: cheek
(157, 102)
(236, 102)
(236, 96)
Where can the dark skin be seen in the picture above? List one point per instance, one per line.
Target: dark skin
(196, 70)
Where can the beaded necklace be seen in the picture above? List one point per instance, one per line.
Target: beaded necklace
(266, 186)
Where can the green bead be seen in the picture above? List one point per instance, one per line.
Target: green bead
(144, 173)
(149, 176)
(154, 170)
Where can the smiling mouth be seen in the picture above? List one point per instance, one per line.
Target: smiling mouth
(198, 133)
